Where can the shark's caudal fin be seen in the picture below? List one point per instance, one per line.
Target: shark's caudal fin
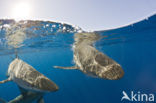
(72, 67)
(4, 81)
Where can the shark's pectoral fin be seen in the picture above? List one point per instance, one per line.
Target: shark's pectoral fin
(4, 81)
(18, 99)
(40, 100)
(72, 67)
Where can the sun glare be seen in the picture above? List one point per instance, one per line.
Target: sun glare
(21, 11)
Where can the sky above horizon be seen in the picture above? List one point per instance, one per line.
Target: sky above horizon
(88, 14)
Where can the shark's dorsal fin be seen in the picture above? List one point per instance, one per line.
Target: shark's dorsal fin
(16, 53)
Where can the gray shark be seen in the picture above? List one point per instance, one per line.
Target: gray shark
(32, 83)
(92, 62)
(26, 97)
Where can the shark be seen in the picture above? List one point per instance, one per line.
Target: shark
(32, 84)
(91, 61)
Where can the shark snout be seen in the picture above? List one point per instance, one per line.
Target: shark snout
(114, 72)
(46, 85)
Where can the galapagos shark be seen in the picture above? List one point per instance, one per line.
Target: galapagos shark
(91, 61)
(31, 83)
(26, 97)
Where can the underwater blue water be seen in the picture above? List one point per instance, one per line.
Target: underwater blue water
(133, 47)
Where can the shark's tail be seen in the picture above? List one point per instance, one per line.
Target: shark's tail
(3, 101)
